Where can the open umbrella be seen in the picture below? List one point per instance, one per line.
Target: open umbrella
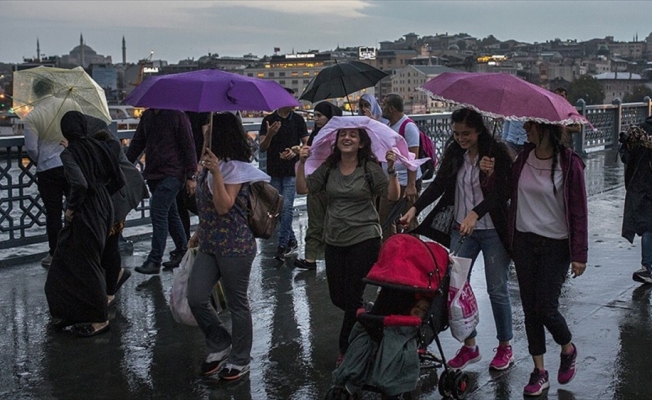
(382, 137)
(71, 84)
(341, 79)
(210, 90)
(502, 96)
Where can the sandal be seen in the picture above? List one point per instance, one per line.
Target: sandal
(87, 330)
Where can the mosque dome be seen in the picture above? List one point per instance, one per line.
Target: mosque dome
(87, 50)
(453, 47)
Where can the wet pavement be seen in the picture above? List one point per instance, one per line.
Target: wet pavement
(146, 355)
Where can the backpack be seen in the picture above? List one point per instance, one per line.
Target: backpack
(426, 150)
(263, 209)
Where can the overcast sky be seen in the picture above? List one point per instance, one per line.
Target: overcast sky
(177, 30)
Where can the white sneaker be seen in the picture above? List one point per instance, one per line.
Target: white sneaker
(45, 262)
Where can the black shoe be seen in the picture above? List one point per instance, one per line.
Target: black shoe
(149, 268)
(175, 260)
(301, 263)
(280, 253)
(292, 245)
(642, 276)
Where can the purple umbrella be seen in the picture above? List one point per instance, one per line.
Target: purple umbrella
(502, 96)
(210, 90)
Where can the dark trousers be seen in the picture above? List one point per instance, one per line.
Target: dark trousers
(345, 268)
(541, 267)
(186, 204)
(53, 187)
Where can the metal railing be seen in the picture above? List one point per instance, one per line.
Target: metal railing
(22, 214)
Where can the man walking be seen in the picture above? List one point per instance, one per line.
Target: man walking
(42, 142)
(280, 131)
(166, 138)
(410, 181)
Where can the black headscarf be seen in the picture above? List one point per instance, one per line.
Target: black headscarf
(95, 159)
(327, 109)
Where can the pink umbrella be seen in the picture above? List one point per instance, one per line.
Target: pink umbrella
(382, 137)
(502, 96)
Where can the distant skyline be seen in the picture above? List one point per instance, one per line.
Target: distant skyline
(177, 30)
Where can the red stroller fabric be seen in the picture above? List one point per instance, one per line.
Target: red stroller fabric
(406, 260)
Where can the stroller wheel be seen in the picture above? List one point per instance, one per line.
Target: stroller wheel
(446, 383)
(460, 385)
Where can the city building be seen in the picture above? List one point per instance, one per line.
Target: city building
(618, 84)
(84, 56)
(405, 82)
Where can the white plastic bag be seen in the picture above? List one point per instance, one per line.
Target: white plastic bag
(178, 301)
(463, 315)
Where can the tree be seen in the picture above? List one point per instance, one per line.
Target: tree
(587, 88)
(638, 94)
(488, 41)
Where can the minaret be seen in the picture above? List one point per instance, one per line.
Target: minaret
(38, 51)
(124, 51)
(81, 47)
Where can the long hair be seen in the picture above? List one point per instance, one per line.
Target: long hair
(487, 145)
(229, 140)
(555, 134)
(364, 152)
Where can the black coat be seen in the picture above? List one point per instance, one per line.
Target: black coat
(637, 216)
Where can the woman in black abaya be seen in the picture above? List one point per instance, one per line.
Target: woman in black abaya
(75, 287)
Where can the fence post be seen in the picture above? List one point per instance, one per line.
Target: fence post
(647, 100)
(579, 139)
(618, 120)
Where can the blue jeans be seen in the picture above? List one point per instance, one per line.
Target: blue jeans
(163, 212)
(287, 187)
(496, 270)
(646, 250)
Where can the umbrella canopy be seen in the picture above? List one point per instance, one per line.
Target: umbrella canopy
(502, 96)
(383, 138)
(341, 79)
(73, 84)
(210, 90)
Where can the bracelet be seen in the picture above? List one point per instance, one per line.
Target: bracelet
(391, 171)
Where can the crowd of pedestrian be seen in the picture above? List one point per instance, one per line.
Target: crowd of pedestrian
(519, 201)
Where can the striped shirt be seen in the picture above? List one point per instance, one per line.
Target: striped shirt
(468, 193)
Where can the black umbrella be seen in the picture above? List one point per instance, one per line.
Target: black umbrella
(341, 79)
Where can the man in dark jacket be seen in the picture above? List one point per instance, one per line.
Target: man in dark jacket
(166, 138)
(636, 154)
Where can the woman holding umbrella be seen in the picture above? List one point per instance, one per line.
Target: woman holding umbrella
(351, 178)
(475, 201)
(227, 248)
(316, 203)
(548, 231)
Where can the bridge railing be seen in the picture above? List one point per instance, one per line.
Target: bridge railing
(22, 214)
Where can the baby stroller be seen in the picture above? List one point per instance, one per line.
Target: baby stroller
(388, 344)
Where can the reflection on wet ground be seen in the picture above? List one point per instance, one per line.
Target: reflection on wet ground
(146, 355)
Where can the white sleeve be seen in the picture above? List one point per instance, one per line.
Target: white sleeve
(31, 142)
(412, 135)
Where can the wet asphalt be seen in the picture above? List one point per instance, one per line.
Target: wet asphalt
(147, 355)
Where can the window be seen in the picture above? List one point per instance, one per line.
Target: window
(295, 73)
(281, 74)
(295, 82)
(306, 81)
(271, 75)
(306, 73)
(281, 82)
(261, 74)
(250, 74)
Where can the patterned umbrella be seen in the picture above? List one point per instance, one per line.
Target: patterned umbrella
(74, 84)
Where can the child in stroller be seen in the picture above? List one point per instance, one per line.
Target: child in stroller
(388, 344)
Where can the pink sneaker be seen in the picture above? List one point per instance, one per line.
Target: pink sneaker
(567, 367)
(503, 359)
(538, 383)
(464, 357)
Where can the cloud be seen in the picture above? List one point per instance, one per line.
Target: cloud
(319, 8)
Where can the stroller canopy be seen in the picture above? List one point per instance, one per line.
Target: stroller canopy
(407, 262)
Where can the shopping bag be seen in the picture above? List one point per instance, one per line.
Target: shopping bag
(178, 301)
(463, 315)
